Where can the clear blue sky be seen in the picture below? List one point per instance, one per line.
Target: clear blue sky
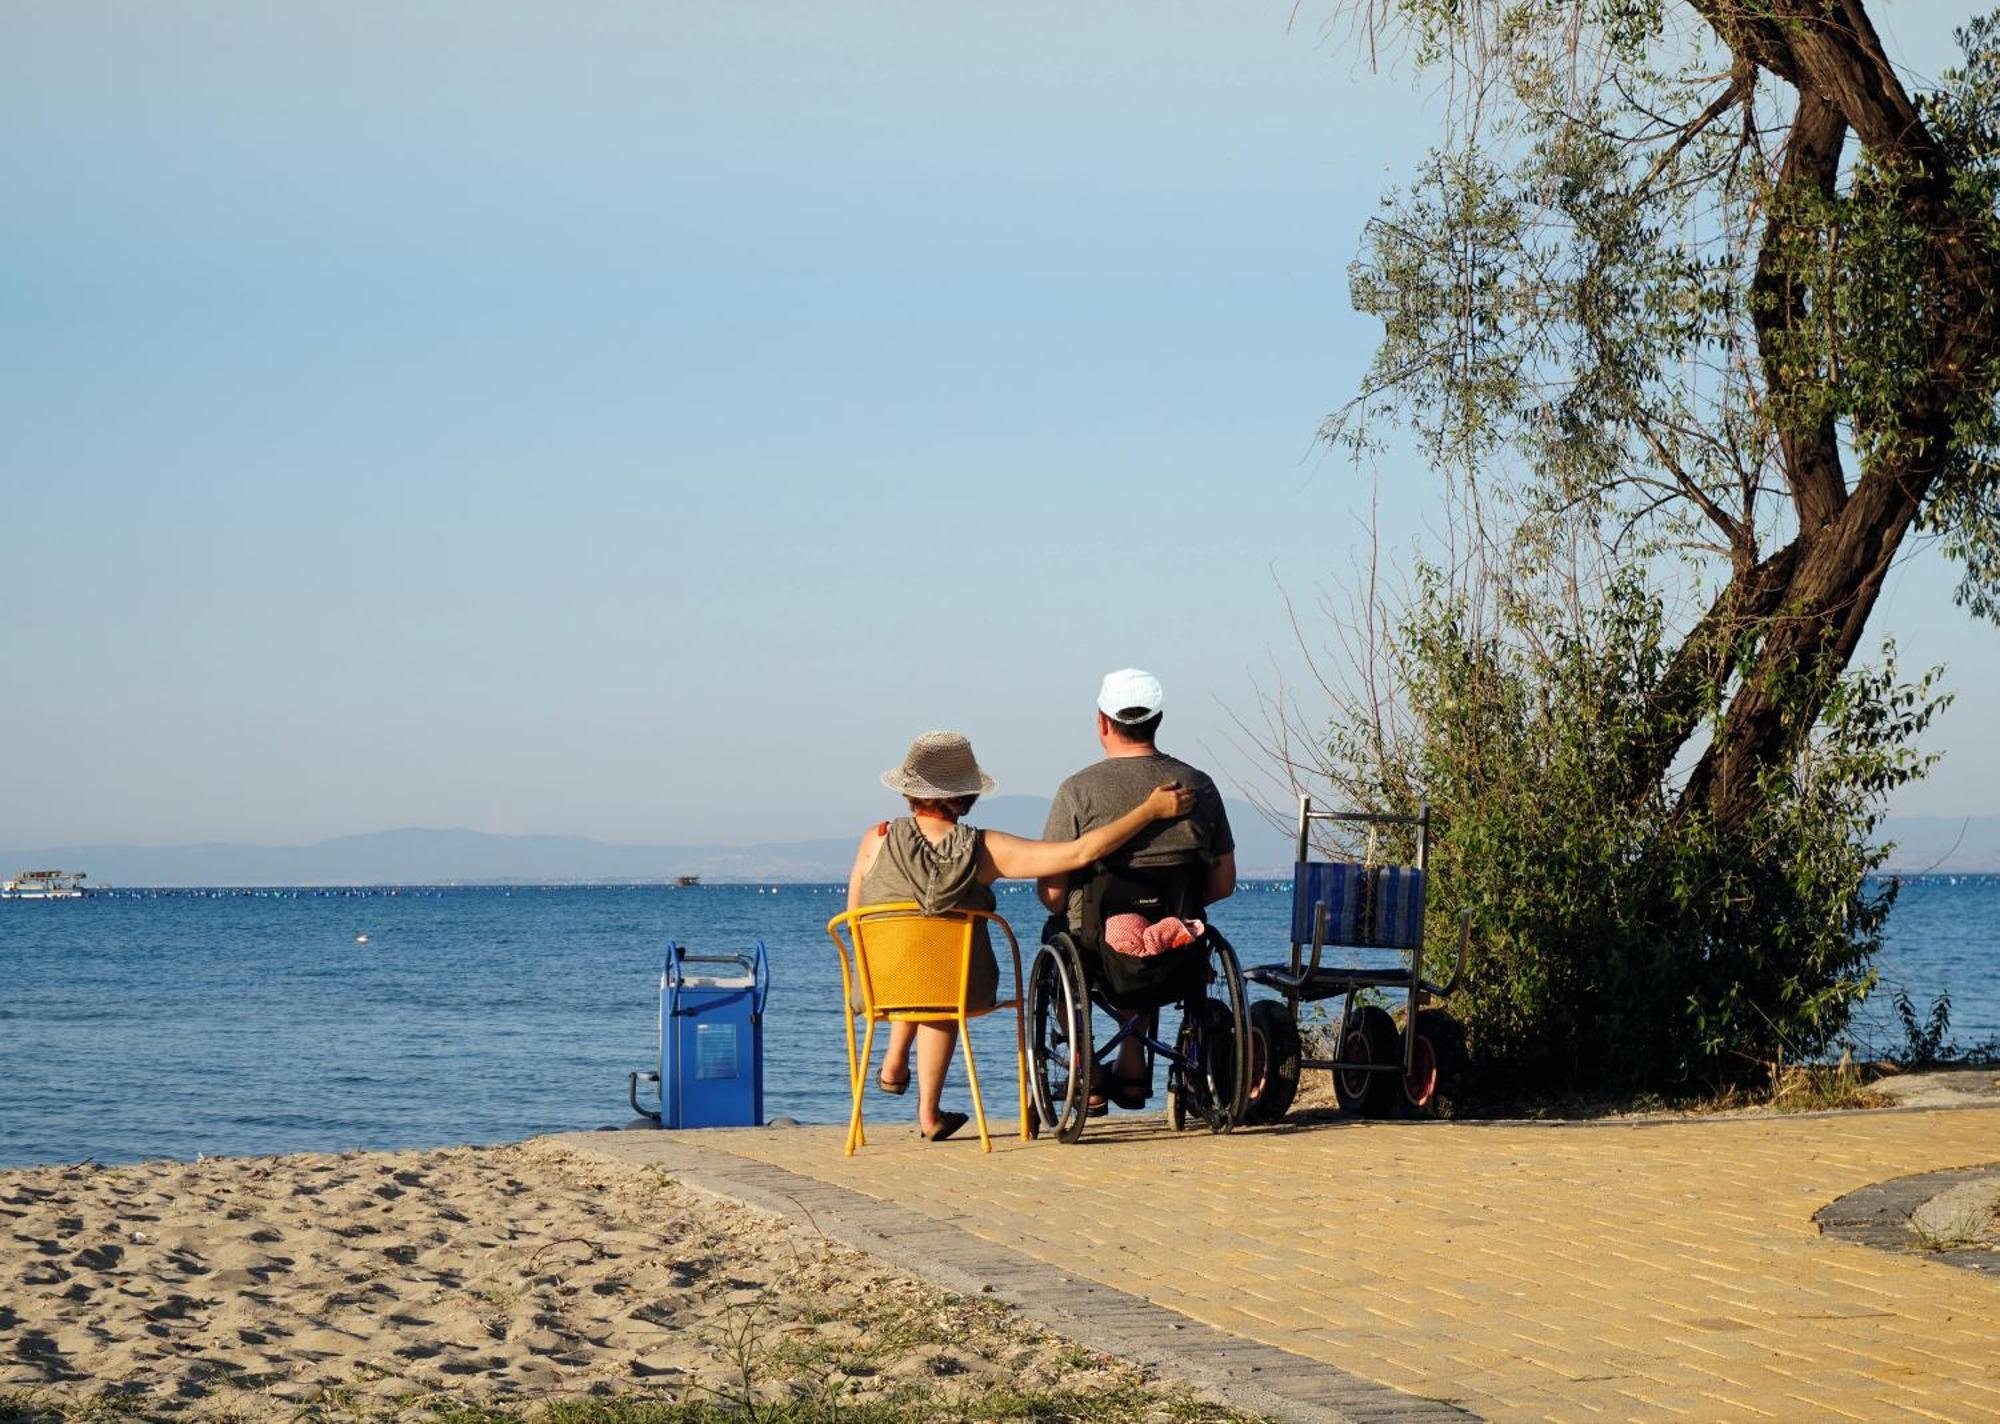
(638, 420)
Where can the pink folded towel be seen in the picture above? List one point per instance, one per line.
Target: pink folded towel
(1131, 934)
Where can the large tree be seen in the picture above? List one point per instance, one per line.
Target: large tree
(1717, 278)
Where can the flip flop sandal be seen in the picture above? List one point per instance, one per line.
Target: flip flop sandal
(893, 1088)
(1129, 1093)
(948, 1123)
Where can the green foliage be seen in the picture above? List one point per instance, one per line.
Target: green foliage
(1964, 114)
(1687, 339)
(1625, 943)
(1565, 314)
(1927, 1039)
(1578, 290)
(1924, 1039)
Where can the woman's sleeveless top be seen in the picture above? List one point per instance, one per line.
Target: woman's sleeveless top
(940, 876)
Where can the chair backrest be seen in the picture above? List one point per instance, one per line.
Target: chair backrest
(1373, 906)
(905, 959)
(1378, 906)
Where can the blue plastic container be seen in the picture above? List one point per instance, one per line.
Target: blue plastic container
(712, 1038)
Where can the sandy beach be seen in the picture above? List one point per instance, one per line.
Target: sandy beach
(382, 1285)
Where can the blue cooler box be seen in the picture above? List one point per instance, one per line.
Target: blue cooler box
(711, 1039)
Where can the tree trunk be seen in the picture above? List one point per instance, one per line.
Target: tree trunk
(1847, 541)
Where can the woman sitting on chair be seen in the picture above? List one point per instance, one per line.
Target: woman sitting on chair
(931, 857)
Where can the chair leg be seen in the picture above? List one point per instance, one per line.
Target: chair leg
(1021, 1062)
(854, 1135)
(853, 1067)
(861, 1091)
(972, 1077)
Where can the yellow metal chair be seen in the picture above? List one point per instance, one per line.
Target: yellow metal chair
(910, 967)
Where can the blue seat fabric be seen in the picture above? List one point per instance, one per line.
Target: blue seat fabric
(1376, 907)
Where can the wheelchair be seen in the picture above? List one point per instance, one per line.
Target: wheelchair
(1380, 1067)
(1208, 1062)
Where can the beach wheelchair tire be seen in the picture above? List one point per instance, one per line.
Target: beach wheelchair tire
(1059, 1041)
(1371, 1038)
(1439, 1052)
(1274, 1062)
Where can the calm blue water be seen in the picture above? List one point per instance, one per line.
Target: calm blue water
(141, 1025)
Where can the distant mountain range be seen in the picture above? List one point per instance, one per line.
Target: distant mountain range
(1951, 845)
(438, 857)
(433, 857)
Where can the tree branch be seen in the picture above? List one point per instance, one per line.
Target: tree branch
(1703, 663)
(1778, 305)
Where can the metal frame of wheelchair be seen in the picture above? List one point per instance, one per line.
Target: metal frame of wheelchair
(1207, 1064)
(1379, 1069)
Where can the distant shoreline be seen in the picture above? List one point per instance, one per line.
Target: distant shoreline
(396, 886)
(1263, 880)
(432, 857)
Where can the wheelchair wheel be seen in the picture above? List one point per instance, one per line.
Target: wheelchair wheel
(1190, 1094)
(1059, 1045)
(1274, 1061)
(1233, 1096)
(1371, 1038)
(1440, 1050)
(1212, 1083)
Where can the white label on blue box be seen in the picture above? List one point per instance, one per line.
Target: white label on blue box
(715, 1050)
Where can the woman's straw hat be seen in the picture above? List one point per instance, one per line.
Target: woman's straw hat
(937, 767)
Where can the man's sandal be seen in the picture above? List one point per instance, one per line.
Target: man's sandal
(1128, 1093)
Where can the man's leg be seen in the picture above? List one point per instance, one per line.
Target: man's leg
(1132, 1054)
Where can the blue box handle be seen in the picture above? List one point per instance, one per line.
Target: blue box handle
(672, 975)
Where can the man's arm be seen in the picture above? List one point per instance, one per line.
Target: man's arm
(1062, 825)
(1221, 879)
(1222, 870)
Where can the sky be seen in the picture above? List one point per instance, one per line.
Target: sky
(640, 420)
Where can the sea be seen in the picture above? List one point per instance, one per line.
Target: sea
(154, 1023)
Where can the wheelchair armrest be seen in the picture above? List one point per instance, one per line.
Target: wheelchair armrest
(1444, 990)
(1319, 938)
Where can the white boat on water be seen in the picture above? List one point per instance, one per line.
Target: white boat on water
(44, 885)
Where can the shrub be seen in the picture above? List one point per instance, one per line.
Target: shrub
(1624, 942)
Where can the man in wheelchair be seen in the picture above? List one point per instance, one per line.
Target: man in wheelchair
(1136, 916)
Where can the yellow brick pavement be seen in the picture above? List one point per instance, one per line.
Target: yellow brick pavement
(1660, 1270)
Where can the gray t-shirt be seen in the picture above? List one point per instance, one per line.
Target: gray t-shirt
(1106, 790)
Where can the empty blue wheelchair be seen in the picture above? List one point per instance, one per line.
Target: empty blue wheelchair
(1374, 914)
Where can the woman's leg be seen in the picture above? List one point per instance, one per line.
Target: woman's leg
(896, 1057)
(935, 1042)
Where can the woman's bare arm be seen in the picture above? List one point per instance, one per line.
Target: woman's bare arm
(871, 846)
(1005, 857)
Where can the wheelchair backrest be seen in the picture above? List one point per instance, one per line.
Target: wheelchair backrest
(1374, 906)
(1154, 891)
(1367, 906)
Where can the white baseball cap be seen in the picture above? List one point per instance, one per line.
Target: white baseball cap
(1129, 689)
